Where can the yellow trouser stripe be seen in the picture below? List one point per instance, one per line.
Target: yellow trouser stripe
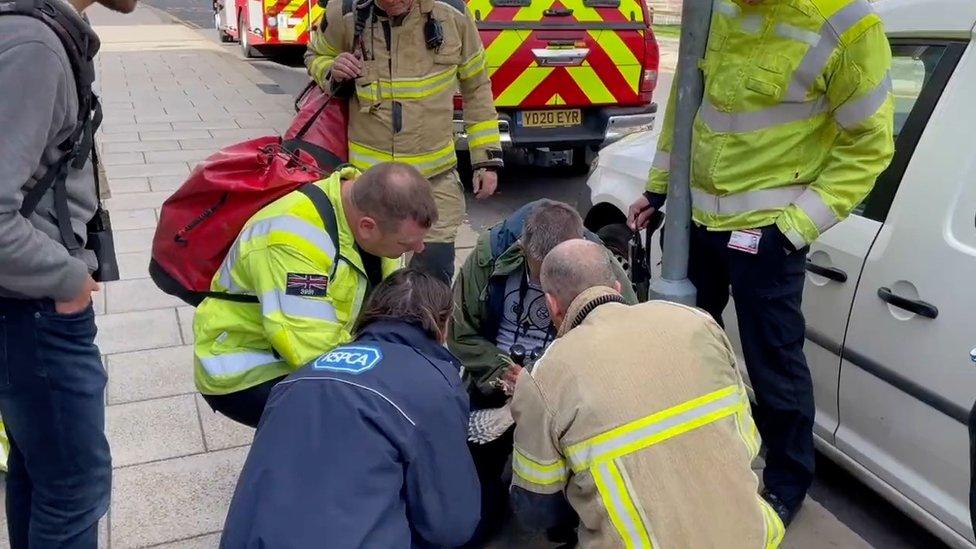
(657, 427)
(537, 472)
(620, 506)
(363, 158)
(774, 526)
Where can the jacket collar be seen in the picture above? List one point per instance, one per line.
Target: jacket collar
(411, 335)
(510, 261)
(585, 303)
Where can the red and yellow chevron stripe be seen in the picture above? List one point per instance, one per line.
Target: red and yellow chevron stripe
(610, 73)
(308, 11)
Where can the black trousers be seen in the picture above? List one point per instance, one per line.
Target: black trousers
(244, 406)
(490, 461)
(768, 287)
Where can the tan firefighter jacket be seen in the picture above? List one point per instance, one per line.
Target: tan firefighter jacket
(403, 106)
(638, 419)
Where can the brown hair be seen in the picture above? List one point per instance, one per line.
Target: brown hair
(409, 295)
(393, 192)
(549, 224)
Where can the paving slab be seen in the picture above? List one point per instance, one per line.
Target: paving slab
(167, 182)
(138, 201)
(140, 146)
(139, 294)
(124, 332)
(125, 220)
(144, 375)
(186, 323)
(148, 170)
(132, 240)
(220, 433)
(208, 541)
(127, 185)
(175, 499)
(133, 265)
(153, 430)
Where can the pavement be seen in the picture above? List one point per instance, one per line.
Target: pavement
(171, 98)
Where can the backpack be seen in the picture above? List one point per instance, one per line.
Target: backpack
(80, 48)
(199, 223)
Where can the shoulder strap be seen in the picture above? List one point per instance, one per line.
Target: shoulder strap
(327, 212)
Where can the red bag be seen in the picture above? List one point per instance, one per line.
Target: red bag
(199, 223)
(319, 128)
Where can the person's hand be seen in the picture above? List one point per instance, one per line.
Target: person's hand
(347, 67)
(639, 214)
(484, 182)
(79, 302)
(510, 378)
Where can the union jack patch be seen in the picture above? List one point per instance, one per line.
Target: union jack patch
(307, 285)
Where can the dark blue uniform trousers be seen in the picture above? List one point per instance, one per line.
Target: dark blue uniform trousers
(52, 398)
(767, 287)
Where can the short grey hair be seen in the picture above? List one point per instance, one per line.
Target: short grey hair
(549, 224)
(575, 266)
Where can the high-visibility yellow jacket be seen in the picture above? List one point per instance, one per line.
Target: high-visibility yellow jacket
(637, 418)
(309, 296)
(796, 120)
(403, 106)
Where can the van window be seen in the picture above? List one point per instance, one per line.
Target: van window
(912, 67)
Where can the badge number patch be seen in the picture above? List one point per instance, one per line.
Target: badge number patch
(307, 285)
(349, 360)
(745, 241)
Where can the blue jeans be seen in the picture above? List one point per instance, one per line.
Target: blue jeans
(52, 399)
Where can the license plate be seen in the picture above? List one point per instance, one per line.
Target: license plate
(551, 119)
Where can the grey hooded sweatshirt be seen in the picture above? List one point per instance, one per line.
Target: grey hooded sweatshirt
(38, 111)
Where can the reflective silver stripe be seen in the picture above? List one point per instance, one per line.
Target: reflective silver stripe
(726, 8)
(765, 199)
(783, 113)
(589, 454)
(537, 472)
(816, 209)
(620, 509)
(235, 363)
(293, 305)
(855, 111)
(662, 160)
(786, 30)
(751, 23)
(816, 58)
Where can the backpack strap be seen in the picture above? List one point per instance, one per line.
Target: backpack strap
(327, 212)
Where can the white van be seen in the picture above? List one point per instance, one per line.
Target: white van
(890, 299)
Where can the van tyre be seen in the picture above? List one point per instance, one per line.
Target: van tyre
(616, 237)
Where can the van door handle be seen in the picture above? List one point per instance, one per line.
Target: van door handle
(832, 273)
(557, 13)
(916, 306)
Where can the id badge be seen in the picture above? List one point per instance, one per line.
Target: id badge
(745, 241)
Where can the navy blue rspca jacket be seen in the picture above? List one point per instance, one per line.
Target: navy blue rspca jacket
(363, 448)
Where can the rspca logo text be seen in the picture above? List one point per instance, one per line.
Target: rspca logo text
(350, 360)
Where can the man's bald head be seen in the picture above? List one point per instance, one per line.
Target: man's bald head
(573, 267)
(393, 192)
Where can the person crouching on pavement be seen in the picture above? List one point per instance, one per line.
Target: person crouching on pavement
(365, 446)
(635, 420)
(500, 305)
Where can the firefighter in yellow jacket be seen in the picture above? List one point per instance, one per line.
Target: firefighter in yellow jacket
(635, 422)
(795, 125)
(401, 62)
(303, 266)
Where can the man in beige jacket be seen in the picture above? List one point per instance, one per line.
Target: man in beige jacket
(635, 421)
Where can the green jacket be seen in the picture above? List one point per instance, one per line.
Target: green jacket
(478, 300)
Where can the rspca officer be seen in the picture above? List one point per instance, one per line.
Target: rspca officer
(365, 446)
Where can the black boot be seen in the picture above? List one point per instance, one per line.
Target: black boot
(437, 259)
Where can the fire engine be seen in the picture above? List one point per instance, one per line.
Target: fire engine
(266, 24)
